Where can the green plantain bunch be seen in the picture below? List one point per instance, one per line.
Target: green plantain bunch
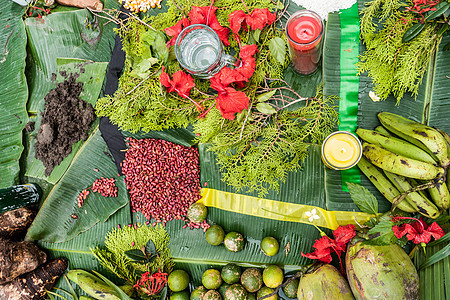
(407, 162)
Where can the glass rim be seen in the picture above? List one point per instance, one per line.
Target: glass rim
(330, 165)
(183, 34)
(309, 12)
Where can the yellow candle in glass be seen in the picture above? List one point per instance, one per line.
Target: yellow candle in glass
(341, 150)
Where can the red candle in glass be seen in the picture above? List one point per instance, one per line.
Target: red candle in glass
(304, 30)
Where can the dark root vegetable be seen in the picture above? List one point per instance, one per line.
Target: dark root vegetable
(34, 285)
(14, 223)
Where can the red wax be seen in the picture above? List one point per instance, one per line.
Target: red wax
(304, 30)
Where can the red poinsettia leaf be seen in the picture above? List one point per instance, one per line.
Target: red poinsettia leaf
(231, 102)
(237, 19)
(228, 76)
(399, 231)
(248, 51)
(436, 231)
(343, 234)
(183, 83)
(165, 80)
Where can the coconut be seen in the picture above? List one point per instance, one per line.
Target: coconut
(324, 282)
(380, 272)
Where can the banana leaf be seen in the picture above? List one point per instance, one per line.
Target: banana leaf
(13, 91)
(54, 222)
(74, 34)
(91, 74)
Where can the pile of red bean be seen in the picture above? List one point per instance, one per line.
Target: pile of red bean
(163, 178)
(105, 186)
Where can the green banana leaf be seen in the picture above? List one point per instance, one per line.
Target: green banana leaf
(73, 34)
(13, 91)
(54, 222)
(434, 280)
(92, 75)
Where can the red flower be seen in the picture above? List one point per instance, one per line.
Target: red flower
(260, 18)
(418, 232)
(152, 284)
(248, 66)
(207, 15)
(237, 19)
(175, 30)
(325, 246)
(226, 76)
(181, 83)
(229, 101)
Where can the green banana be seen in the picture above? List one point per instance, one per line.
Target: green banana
(92, 285)
(430, 137)
(440, 194)
(386, 188)
(400, 164)
(394, 145)
(383, 130)
(447, 139)
(85, 298)
(421, 203)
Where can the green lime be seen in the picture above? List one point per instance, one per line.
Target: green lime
(273, 276)
(236, 292)
(178, 280)
(269, 246)
(211, 279)
(290, 290)
(266, 291)
(212, 295)
(214, 235)
(184, 295)
(234, 241)
(251, 296)
(231, 273)
(198, 293)
(223, 288)
(197, 212)
(251, 279)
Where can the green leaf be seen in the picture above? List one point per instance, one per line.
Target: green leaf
(413, 32)
(136, 255)
(446, 47)
(72, 291)
(438, 256)
(444, 239)
(160, 48)
(266, 96)
(163, 295)
(441, 8)
(444, 27)
(149, 37)
(255, 34)
(280, 5)
(382, 234)
(363, 198)
(150, 248)
(265, 108)
(54, 222)
(151, 258)
(119, 292)
(277, 48)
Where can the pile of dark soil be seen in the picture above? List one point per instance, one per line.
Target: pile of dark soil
(65, 121)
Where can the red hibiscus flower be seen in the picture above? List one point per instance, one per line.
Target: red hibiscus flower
(248, 66)
(175, 30)
(229, 101)
(182, 83)
(260, 18)
(207, 15)
(325, 246)
(418, 232)
(237, 19)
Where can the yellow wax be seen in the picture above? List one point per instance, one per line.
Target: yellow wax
(341, 150)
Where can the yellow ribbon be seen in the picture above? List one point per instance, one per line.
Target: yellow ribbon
(281, 211)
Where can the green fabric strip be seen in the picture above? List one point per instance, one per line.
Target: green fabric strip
(349, 82)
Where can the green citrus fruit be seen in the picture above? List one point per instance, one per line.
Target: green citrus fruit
(236, 292)
(266, 291)
(197, 212)
(198, 293)
(290, 290)
(214, 235)
(231, 273)
(270, 246)
(184, 295)
(178, 280)
(223, 288)
(234, 241)
(251, 279)
(273, 276)
(212, 295)
(211, 279)
(251, 296)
